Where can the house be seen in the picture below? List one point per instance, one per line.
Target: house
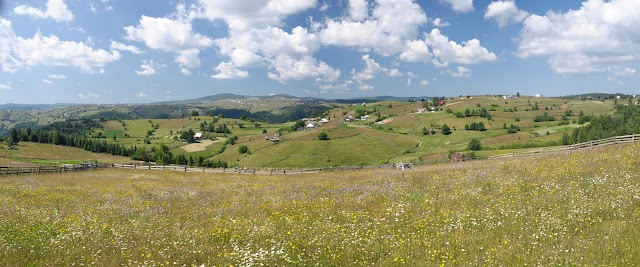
(197, 136)
(507, 97)
(538, 95)
(311, 126)
(441, 103)
(324, 121)
(349, 118)
(364, 118)
(422, 110)
(276, 138)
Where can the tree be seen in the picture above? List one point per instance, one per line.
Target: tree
(474, 145)
(446, 130)
(195, 113)
(243, 149)
(114, 137)
(518, 94)
(323, 136)
(565, 139)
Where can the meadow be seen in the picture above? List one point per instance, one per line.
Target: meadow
(565, 209)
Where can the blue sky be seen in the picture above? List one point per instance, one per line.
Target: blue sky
(122, 51)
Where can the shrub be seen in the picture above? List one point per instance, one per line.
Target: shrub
(243, 149)
(323, 136)
(474, 145)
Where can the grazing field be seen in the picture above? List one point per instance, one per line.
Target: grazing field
(567, 209)
(27, 154)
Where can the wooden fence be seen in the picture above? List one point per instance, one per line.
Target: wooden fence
(243, 170)
(591, 144)
(49, 169)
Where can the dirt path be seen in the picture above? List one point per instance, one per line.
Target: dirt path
(195, 147)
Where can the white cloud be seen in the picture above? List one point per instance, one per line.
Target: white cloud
(323, 7)
(446, 51)
(8, 60)
(43, 50)
(245, 15)
(505, 12)
(167, 34)
(226, 70)
(88, 96)
(460, 72)
(598, 37)
(365, 87)
(173, 36)
(56, 9)
(47, 81)
(424, 82)
(394, 73)
(460, 5)
(416, 51)
(371, 69)
(122, 47)
(141, 94)
(392, 22)
(148, 68)
(409, 81)
(5, 86)
(290, 68)
(57, 77)
(358, 9)
(440, 23)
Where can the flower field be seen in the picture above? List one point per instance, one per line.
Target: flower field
(566, 209)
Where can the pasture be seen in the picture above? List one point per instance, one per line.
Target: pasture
(565, 209)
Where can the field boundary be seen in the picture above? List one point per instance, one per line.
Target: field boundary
(49, 169)
(625, 139)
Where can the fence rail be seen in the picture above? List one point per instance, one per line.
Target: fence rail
(625, 139)
(243, 170)
(48, 169)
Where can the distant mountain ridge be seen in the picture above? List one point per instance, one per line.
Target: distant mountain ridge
(218, 97)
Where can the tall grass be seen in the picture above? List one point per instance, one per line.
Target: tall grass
(569, 209)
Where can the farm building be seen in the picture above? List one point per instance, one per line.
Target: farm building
(349, 118)
(311, 126)
(364, 118)
(422, 110)
(323, 121)
(197, 136)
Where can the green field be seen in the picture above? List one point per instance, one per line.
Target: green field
(565, 209)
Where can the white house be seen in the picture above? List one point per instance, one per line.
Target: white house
(311, 126)
(197, 136)
(323, 121)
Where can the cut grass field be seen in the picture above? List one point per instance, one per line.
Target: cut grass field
(567, 209)
(26, 154)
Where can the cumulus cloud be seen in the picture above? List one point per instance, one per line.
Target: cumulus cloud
(88, 96)
(16, 52)
(505, 12)
(424, 82)
(439, 23)
(141, 94)
(460, 5)
(245, 15)
(50, 50)
(148, 68)
(8, 60)
(291, 68)
(47, 81)
(123, 47)
(358, 9)
(226, 70)
(446, 51)
(598, 37)
(56, 9)
(171, 35)
(416, 51)
(460, 72)
(392, 22)
(5, 86)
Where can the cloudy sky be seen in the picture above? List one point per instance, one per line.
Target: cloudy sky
(117, 51)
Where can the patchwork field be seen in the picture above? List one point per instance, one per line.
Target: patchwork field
(566, 209)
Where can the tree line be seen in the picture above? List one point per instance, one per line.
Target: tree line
(625, 121)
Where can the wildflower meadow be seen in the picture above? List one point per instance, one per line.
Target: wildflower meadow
(581, 209)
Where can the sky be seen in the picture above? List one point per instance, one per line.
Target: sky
(123, 51)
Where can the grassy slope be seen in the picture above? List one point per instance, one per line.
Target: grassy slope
(404, 131)
(576, 209)
(27, 153)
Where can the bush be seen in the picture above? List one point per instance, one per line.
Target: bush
(323, 136)
(474, 145)
(243, 149)
(446, 130)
